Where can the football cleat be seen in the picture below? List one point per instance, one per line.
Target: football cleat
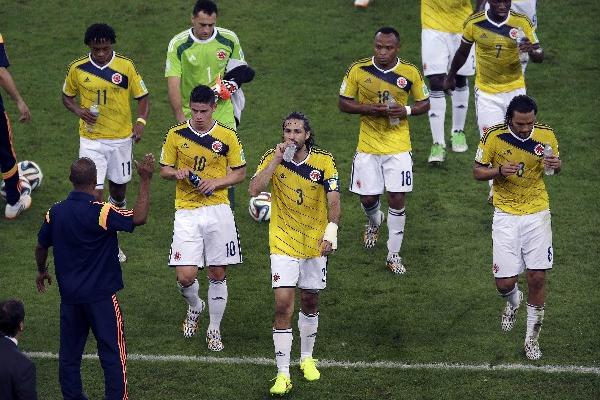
(309, 367)
(282, 385)
(372, 233)
(509, 315)
(532, 349)
(12, 212)
(122, 256)
(459, 142)
(190, 323)
(394, 264)
(213, 340)
(437, 154)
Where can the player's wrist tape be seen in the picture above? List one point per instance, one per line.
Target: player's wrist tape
(408, 110)
(331, 234)
(141, 121)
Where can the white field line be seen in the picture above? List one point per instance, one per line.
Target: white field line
(574, 369)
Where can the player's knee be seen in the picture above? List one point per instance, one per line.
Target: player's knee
(536, 279)
(461, 81)
(309, 299)
(283, 311)
(184, 281)
(436, 82)
(505, 285)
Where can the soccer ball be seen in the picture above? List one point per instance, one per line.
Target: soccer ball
(260, 207)
(23, 186)
(32, 172)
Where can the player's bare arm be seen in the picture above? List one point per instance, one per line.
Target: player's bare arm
(170, 173)
(145, 169)
(351, 106)
(483, 172)
(334, 213)
(260, 181)
(536, 53)
(8, 84)
(143, 109)
(235, 176)
(458, 61)
(553, 162)
(72, 105)
(399, 111)
(174, 91)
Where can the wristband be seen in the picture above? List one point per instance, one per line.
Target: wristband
(331, 234)
(141, 121)
(500, 171)
(408, 110)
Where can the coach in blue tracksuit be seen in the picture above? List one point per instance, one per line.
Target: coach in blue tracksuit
(83, 233)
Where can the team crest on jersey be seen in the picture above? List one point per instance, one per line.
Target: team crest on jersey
(116, 78)
(538, 149)
(217, 146)
(315, 175)
(401, 82)
(221, 54)
(513, 33)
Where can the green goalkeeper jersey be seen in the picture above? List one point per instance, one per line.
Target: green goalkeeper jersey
(200, 62)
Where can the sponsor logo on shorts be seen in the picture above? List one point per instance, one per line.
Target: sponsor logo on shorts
(177, 256)
(276, 277)
(116, 78)
(217, 146)
(538, 149)
(495, 268)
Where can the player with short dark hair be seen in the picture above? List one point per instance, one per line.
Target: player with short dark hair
(16, 202)
(512, 154)
(197, 154)
(105, 81)
(378, 88)
(305, 214)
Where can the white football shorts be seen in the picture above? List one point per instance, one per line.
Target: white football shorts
(438, 49)
(521, 241)
(205, 236)
(490, 108)
(113, 159)
(304, 273)
(373, 173)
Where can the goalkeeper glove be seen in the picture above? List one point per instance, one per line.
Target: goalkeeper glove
(224, 89)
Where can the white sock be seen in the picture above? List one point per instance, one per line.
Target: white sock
(437, 116)
(373, 214)
(190, 293)
(512, 297)
(217, 301)
(535, 317)
(118, 204)
(460, 106)
(282, 339)
(307, 324)
(396, 221)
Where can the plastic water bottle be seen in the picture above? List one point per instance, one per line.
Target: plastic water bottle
(95, 110)
(195, 181)
(548, 153)
(288, 153)
(523, 55)
(393, 121)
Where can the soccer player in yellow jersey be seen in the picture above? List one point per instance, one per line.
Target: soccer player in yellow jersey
(512, 154)
(378, 89)
(204, 232)
(105, 82)
(302, 232)
(441, 23)
(500, 34)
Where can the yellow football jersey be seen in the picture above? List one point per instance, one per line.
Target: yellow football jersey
(207, 154)
(366, 83)
(111, 87)
(496, 51)
(525, 192)
(299, 212)
(445, 15)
